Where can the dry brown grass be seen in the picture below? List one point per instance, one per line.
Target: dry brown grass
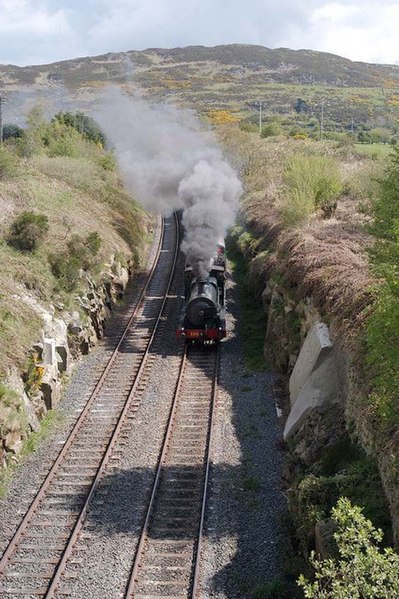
(325, 259)
(328, 262)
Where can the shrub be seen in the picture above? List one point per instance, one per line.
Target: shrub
(310, 182)
(362, 569)
(107, 161)
(271, 129)
(82, 124)
(7, 163)
(66, 266)
(62, 141)
(32, 141)
(12, 131)
(298, 206)
(27, 231)
(248, 127)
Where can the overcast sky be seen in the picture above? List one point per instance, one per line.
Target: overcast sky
(43, 31)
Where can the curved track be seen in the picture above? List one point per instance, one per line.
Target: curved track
(167, 558)
(34, 560)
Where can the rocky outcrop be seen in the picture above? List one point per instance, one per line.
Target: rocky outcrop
(313, 382)
(65, 337)
(288, 323)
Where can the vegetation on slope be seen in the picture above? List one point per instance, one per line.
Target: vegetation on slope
(295, 87)
(63, 212)
(315, 216)
(383, 324)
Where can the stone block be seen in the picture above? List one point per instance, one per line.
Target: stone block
(316, 348)
(321, 387)
(63, 358)
(30, 412)
(326, 546)
(51, 390)
(13, 441)
(49, 355)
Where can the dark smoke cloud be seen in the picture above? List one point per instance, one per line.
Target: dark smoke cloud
(170, 163)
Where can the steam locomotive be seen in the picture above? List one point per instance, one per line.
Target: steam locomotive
(203, 316)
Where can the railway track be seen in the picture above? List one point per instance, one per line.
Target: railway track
(35, 559)
(167, 559)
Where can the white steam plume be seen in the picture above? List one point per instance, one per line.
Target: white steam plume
(170, 163)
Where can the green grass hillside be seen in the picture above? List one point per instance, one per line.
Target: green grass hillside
(56, 173)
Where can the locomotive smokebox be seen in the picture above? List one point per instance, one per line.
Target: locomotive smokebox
(202, 305)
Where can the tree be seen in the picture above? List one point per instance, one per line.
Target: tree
(381, 135)
(301, 106)
(12, 131)
(363, 570)
(83, 124)
(364, 137)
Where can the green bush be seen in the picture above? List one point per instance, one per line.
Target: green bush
(7, 163)
(107, 161)
(12, 131)
(310, 182)
(298, 206)
(27, 231)
(80, 254)
(271, 129)
(82, 123)
(62, 140)
(363, 570)
(33, 139)
(249, 127)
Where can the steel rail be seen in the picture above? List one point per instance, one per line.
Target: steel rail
(195, 587)
(80, 521)
(144, 532)
(19, 533)
(137, 565)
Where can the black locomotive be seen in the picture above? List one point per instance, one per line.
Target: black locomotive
(203, 317)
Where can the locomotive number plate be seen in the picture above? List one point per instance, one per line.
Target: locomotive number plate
(195, 334)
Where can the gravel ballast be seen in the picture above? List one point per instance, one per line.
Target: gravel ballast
(242, 547)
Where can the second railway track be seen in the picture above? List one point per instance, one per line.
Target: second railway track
(168, 554)
(34, 560)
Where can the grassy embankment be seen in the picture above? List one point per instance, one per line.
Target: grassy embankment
(309, 211)
(84, 217)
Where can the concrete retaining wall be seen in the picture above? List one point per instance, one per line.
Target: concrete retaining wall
(314, 381)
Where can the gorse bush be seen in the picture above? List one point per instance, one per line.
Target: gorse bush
(310, 182)
(27, 231)
(363, 570)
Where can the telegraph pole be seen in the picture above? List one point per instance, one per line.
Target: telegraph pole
(260, 118)
(322, 120)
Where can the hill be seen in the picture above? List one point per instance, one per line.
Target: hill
(230, 76)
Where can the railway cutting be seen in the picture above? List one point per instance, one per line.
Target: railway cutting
(34, 560)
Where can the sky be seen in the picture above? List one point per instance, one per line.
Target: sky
(45, 31)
